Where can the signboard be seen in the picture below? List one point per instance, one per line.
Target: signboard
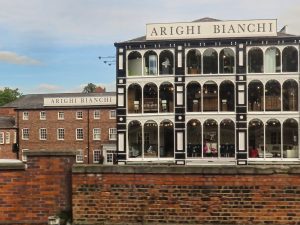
(215, 29)
(80, 101)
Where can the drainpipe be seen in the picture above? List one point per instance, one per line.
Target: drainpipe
(88, 135)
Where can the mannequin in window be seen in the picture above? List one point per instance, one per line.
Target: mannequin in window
(254, 152)
(166, 66)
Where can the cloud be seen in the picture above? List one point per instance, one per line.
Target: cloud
(14, 58)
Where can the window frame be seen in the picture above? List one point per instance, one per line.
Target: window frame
(79, 115)
(43, 134)
(94, 155)
(7, 137)
(59, 115)
(97, 115)
(111, 132)
(79, 155)
(112, 114)
(96, 134)
(25, 138)
(2, 138)
(25, 115)
(77, 133)
(59, 133)
(43, 115)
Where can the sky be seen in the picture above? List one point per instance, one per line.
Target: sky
(50, 46)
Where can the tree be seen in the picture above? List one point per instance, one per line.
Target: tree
(8, 95)
(89, 88)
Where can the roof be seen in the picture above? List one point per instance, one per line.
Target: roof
(36, 101)
(7, 122)
(204, 19)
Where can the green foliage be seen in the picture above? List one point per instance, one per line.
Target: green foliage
(8, 95)
(89, 88)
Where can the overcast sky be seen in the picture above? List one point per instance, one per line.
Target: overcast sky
(53, 45)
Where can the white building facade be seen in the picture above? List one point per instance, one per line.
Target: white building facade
(209, 92)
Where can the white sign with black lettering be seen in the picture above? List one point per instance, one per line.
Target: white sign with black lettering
(215, 29)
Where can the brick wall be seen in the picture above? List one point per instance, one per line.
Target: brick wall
(6, 148)
(29, 196)
(186, 195)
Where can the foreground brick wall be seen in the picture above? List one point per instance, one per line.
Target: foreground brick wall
(186, 195)
(29, 196)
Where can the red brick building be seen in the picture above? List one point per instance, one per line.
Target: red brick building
(8, 137)
(85, 122)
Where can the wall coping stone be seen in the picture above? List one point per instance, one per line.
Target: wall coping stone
(204, 170)
(50, 153)
(16, 165)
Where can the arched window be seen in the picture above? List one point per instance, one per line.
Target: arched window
(273, 95)
(226, 61)
(166, 103)
(150, 139)
(193, 62)
(273, 139)
(193, 97)
(226, 96)
(272, 60)
(227, 138)
(166, 62)
(150, 98)
(166, 139)
(135, 139)
(256, 138)
(210, 61)
(210, 138)
(210, 96)
(290, 139)
(134, 98)
(255, 96)
(290, 95)
(290, 59)
(134, 64)
(255, 60)
(194, 139)
(150, 63)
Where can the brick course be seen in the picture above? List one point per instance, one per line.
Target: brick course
(261, 197)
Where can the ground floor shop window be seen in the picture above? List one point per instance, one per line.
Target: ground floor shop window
(194, 139)
(166, 139)
(134, 139)
(150, 139)
(210, 138)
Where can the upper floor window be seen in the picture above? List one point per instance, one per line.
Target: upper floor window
(79, 115)
(134, 64)
(255, 60)
(96, 114)
(112, 114)
(226, 61)
(150, 63)
(79, 134)
(25, 115)
(290, 59)
(43, 134)
(60, 134)
(96, 134)
(25, 133)
(2, 138)
(112, 133)
(272, 60)
(7, 138)
(61, 115)
(79, 156)
(166, 62)
(42, 115)
(194, 62)
(210, 61)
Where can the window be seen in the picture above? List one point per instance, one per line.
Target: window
(7, 138)
(150, 139)
(1, 138)
(150, 63)
(25, 134)
(24, 155)
(166, 62)
(134, 98)
(79, 115)
(61, 115)
(97, 156)
(42, 115)
(79, 156)
(43, 134)
(150, 98)
(60, 134)
(25, 115)
(15, 137)
(210, 61)
(96, 114)
(134, 64)
(166, 135)
(290, 59)
(112, 114)
(210, 96)
(194, 62)
(112, 134)
(193, 97)
(194, 139)
(210, 138)
(134, 137)
(96, 134)
(166, 97)
(79, 134)
(255, 60)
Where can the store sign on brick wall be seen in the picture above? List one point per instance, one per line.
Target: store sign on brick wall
(215, 29)
(80, 101)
